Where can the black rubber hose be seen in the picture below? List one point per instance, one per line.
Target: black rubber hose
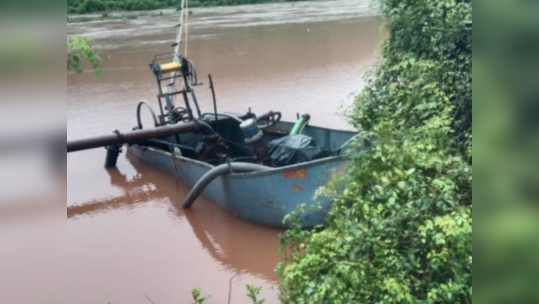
(139, 106)
(214, 173)
(204, 127)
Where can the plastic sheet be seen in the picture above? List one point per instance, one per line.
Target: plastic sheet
(295, 149)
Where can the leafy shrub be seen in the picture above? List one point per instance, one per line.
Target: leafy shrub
(75, 7)
(92, 6)
(253, 293)
(401, 232)
(141, 5)
(197, 296)
(80, 49)
(114, 5)
(506, 70)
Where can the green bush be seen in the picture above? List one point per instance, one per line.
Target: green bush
(506, 70)
(114, 5)
(141, 5)
(75, 6)
(80, 49)
(92, 6)
(401, 232)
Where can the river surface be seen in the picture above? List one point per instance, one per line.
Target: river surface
(127, 239)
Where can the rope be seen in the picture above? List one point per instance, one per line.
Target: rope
(186, 26)
(179, 32)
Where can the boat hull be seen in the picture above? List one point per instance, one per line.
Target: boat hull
(261, 197)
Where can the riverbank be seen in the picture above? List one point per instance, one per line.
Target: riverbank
(120, 15)
(104, 13)
(105, 7)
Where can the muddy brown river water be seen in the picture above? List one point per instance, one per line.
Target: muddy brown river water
(127, 239)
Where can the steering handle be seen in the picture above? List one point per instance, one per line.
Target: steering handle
(271, 119)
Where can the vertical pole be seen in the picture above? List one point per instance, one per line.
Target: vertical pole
(170, 109)
(188, 106)
(214, 103)
(113, 151)
(161, 120)
(179, 31)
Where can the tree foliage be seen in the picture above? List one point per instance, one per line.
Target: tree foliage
(92, 6)
(141, 5)
(82, 7)
(79, 50)
(506, 59)
(401, 232)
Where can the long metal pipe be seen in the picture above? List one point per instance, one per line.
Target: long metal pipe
(214, 102)
(214, 173)
(118, 138)
(238, 120)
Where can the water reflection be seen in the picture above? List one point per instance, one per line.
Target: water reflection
(239, 246)
(137, 190)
